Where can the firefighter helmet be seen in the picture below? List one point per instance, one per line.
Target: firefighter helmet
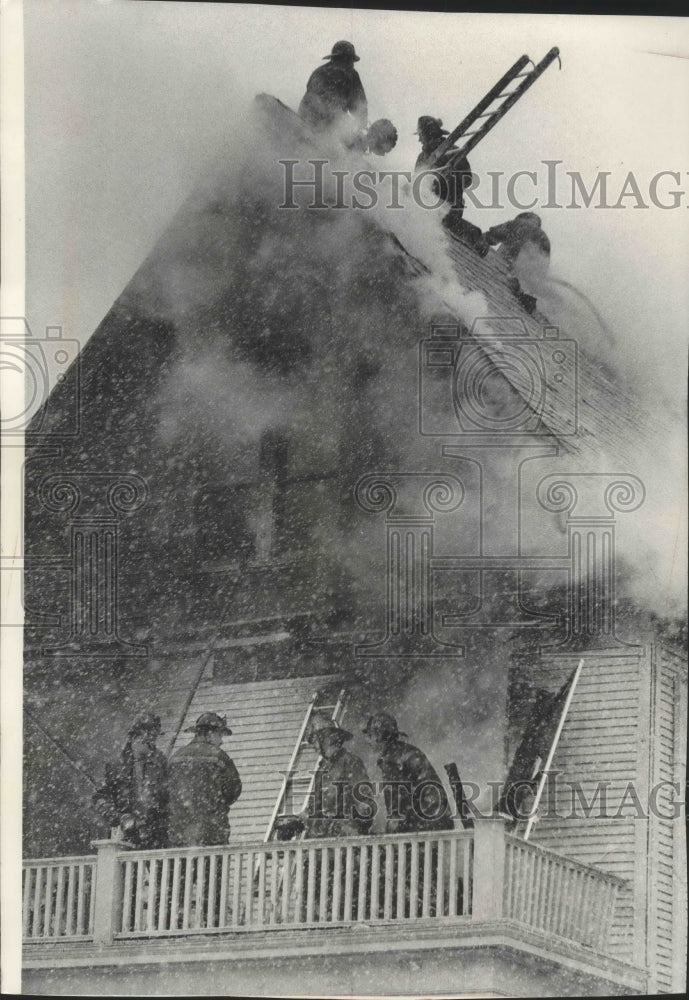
(328, 728)
(210, 720)
(384, 725)
(343, 50)
(429, 127)
(147, 722)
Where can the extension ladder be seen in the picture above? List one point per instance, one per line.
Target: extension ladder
(506, 98)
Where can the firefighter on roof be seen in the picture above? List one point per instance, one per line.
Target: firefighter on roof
(526, 249)
(522, 232)
(415, 799)
(134, 796)
(335, 91)
(203, 785)
(453, 173)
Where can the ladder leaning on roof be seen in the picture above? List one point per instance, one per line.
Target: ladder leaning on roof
(490, 118)
(326, 699)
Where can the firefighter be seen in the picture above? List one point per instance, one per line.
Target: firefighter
(526, 249)
(334, 91)
(204, 783)
(415, 799)
(134, 797)
(336, 809)
(453, 171)
(522, 232)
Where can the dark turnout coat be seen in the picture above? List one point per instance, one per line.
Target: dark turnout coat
(138, 788)
(453, 173)
(333, 90)
(203, 785)
(415, 799)
(338, 807)
(516, 234)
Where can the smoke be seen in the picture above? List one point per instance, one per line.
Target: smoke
(309, 322)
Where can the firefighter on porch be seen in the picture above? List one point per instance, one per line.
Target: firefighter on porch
(415, 799)
(204, 783)
(335, 809)
(133, 799)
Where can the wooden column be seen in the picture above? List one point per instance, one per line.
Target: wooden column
(489, 868)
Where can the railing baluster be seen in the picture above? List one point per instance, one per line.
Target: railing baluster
(48, 899)
(69, 923)
(236, 888)
(440, 880)
(388, 881)
(299, 885)
(337, 883)
(286, 884)
(468, 876)
(534, 886)
(162, 904)
(187, 881)
(453, 887)
(375, 881)
(401, 881)
(349, 882)
(139, 903)
(414, 880)
(35, 927)
(571, 895)
(363, 874)
(224, 877)
(263, 861)
(557, 900)
(28, 874)
(249, 889)
(324, 859)
(59, 898)
(427, 870)
(174, 902)
(199, 894)
(212, 890)
(150, 900)
(543, 890)
(551, 916)
(310, 884)
(273, 893)
(509, 880)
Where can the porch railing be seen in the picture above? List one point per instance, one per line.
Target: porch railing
(554, 894)
(58, 898)
(480, 875)
(360, 880)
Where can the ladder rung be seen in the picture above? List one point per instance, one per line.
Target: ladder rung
(522, 74)
(508, 93)
(325, 708)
